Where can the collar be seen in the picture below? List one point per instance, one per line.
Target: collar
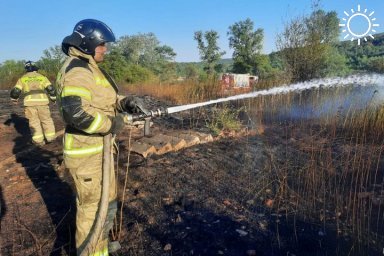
(73, 52)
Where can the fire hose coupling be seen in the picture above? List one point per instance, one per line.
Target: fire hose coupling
(159, 112)
(130, 118)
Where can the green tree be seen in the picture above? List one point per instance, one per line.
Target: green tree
(358, 56)
(51, 62)
(210, 52)
(165, 67)
(191, 72)
(116, 65)
(335, 63)
(122, 71)
(145, 50)
(138, 49)
(276, 60)
(247, 45)
(136, 74)
(323, 26)
(10, 72)
(376, 64)
(263, 66)
(307, 46)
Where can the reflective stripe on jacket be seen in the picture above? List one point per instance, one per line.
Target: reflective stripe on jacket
(80, 149)
(32, 86)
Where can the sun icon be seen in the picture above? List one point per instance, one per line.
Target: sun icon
(368, 18)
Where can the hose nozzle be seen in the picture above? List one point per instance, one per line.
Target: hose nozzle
(130, 118)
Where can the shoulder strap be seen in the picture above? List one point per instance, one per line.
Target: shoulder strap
(110, 80)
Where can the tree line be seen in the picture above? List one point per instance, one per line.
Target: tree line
(307, 48)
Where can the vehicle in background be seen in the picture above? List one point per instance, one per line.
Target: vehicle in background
(235, 83)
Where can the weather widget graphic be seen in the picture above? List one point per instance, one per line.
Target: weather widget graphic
(359, 24)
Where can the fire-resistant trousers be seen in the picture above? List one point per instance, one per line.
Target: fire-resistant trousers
(40, 123)
(87, 175)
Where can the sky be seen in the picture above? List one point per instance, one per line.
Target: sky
(30, 27)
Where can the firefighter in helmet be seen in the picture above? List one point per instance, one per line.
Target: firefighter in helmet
(37, 91)
(90, 106)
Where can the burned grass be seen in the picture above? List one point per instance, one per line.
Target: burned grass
(293, 190)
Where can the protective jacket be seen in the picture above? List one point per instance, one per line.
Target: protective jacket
(88, 102)
(35, 88)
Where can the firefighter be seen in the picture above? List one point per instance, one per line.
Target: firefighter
(90, 107)
(37, 91)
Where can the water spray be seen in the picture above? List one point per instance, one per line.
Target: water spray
(361, 80)
(297, 87)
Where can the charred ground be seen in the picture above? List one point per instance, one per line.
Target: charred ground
(209, 199)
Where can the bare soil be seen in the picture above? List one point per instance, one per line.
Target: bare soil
(202, 200)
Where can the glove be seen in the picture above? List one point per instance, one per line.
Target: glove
(117, 124)
(134, 105)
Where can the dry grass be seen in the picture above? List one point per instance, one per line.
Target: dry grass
(330, 172)
(191, 91)
(178, 93)
(331, 168)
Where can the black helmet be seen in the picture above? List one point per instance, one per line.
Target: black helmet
(30, 66)
(87, 35)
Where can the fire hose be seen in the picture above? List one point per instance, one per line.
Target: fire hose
(101, 215)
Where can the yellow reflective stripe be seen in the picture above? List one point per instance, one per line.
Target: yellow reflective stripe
(19, 86)
(76, 91)
(36, 100)
(39, 95)
(24, 79)
(103, 252)
(50, 134)
(95, 124)
(101, 81)
(38, 136)
(68, 141)
(84, 151)
(32, 79)
(79, 152)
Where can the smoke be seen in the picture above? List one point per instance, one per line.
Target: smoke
(362, 80)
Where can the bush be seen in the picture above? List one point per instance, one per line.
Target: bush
(10, 72)
(137, 74)
(376, 64)
(224, 119)
(335, 63)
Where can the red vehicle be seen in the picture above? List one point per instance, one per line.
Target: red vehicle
(235, 82)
